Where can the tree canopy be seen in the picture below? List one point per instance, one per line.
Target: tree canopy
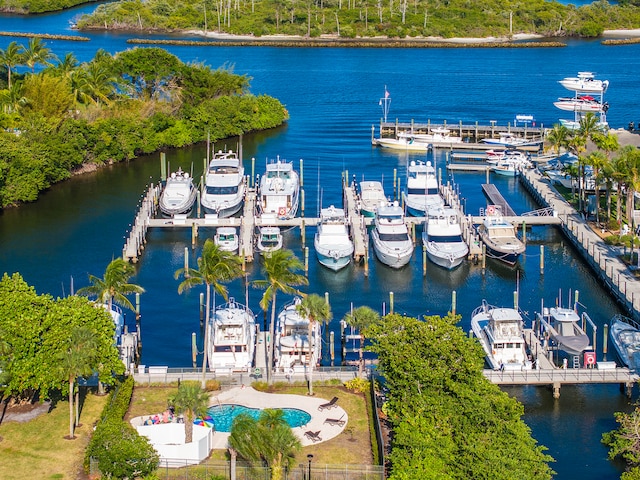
(448, 420)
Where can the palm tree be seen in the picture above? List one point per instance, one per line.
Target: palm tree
(280, 272)
(77, 360)
(360, 319)
(558, 137)
(36, 53)
(10, 58)
(67, 66)
(192, 401)
(269, 439)
(215, 268)
(608, 143)
(316, 309)
(114, 286)
(597, 160)
(620, 174)
(13, 99)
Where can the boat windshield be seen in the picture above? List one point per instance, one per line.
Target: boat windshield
(215, 190)
(422, 191)
(445, 238)
(394, 237)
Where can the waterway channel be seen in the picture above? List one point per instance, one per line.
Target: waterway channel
(332, 95)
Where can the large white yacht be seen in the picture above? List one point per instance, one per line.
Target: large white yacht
(233, 337)
(225, 185)
(422, 189)
(332, 242)
(442, 237)
(390, 236)
(279, 190)
(292, 340)
(178, 194)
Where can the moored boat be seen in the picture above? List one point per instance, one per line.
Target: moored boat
(178, 194)
(408, 144)
(581, 104)
(269, 240)
(233, 337)
(370, 197)
(422, 192)
(585, 82)
(227, 239)
(500, 237)
(500, 331)
(279, 190)
(437, 137)
(390, 236)
(512, 141)
(292, 340)
(332, 242)
(225, 185)
(625, 336)
(564, 328)
(442, 238)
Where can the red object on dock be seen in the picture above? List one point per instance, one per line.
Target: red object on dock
(589, 359)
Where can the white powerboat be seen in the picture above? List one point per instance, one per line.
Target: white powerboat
(408, 144)
(269, 240)
(511, 166)
(442, 238)
(390, 236)
(564, 328)
(501, 334)
(178, 194)
(581, 104)
(227, 239)
(585, 82)
(225, 185)
(625, 336)
(500, 237)
(332, 242)
(438, 137)
(292, 341)
(233, 337)
(370, 196)
(422, 191)
(509, 140)
(495, 156)
(279, 190)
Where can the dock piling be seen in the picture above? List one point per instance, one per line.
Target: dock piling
(301, 172)
(424, 260)
(186, 261)
(306, 260)
(391, 303)
(453, 302)
(541, 259)
(605, 334)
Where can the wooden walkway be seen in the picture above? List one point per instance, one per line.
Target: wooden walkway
(357, 223)
(495, 197)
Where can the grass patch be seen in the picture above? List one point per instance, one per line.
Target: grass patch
(37, 448)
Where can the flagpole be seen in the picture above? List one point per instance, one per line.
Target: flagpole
(384, 103)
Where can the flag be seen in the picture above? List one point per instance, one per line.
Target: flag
(386, 93)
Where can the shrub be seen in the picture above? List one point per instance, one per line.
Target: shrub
(212, 385)
(359, 385)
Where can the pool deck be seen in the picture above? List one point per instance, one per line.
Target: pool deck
(249, 397)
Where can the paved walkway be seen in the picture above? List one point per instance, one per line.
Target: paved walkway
(249, 397)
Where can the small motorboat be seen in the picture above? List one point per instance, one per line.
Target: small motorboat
(438, 137)
(581, 104)
(565, 330)
(269, 240)
(227, 239)
(370, 197)
(625, 336)
(500, 237)
(585, 82)
(178, 194)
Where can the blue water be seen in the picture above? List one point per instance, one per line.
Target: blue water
(332, 95)
(223, 416)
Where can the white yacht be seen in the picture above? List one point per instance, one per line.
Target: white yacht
(407, 144)
(269, 240)
(292, 340)
(233, 337)
(332, 242)
(225, 185)
(371, 195)
(422, 191)
(584, 103)
(625, 336)
(178, 194)
(390, 236)
(437, 137)
(501, 334)
(227, 239)
(442, 237)
(585, 82)
(500, 237)
(279, 190)
(564, 328)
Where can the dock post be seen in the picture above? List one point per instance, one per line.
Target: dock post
(303, 234)
(605, 334)
(395, 179)
(366, 262)
(198, 211)
(541, 259)
(186, 261)
(486, 170)
(576, 297)
(484, 258)
(301, 172)
(413, 232)
(343, 346)
(424, 260)
(556, 390)
(326, 297)
(202, 307)
(391, 303)
(194, 349)
(399, 193)
(524, 232)
(253, 171)
(453, 302)
(306, 260)
(163, 166)
(515, 299)
(332, 348)
(194, 234)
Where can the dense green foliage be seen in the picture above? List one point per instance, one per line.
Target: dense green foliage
(112, 109)
(38, 6)
(36, 331)
(448, 420)
(115, 445)
(368, 18)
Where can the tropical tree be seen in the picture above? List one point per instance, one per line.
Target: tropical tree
(268, 439)
(12, 99)
(192, 401)
(597, 160)
(361, 318)
(67, 66)
(114, 285)
(215, 268)
(620, 173)
(608, 143)
(36, 53)
(558, 137)
(624, 442)
(11, 57)
(316, 309)
(77, 360)
(280, 271)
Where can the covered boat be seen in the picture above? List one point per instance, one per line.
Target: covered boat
(625, 336)
(565, 330)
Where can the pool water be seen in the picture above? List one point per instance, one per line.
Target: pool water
(223, 416)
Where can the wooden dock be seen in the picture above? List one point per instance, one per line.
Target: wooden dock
(356, 222)
(495, 197)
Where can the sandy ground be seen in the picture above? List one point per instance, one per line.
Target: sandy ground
(23, 413)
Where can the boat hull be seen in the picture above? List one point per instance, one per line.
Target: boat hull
(392, 257)
(228, 210)
(334, 263)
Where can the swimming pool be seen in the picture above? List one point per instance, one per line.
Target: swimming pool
(223, 415)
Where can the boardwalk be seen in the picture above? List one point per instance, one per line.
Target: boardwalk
(357, 223)
(496, 198)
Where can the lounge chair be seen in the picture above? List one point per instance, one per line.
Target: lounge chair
(313, 436)
(336, 421)
(329, 405)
